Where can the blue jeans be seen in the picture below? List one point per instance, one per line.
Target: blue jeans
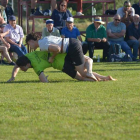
(18, 50)
(135, 45)
(124, 47)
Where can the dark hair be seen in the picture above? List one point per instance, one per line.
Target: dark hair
(32, 36)
(22, 61)
(58, 7)
(126, 2)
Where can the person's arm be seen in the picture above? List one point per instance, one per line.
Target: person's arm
(43, 78)
(94, 39)
(11, 41)
(121, 34)
(14, 73)
(132, 38)
(20, 42)
(43, 33)
(6, 43)
(4, 34)
(55, 50)
(80, 38)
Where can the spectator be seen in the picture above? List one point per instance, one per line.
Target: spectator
(15, 37)
(33, 5)
(97, 38)
(9, 11)
(116, 32)
(49, 29)
(70, 31)
(133, 35)
(137, 8)
(79, 7)
(126, 12)
(60, 15)
(4, 46)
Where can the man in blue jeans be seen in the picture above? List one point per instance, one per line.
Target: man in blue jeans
(116, 31)
(133, 35)
(15, 37)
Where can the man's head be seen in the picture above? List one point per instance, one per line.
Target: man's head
(12, 21)
(127, 5)
(70, 23)
(117, 19)
(97, 22)
(31, 40)
(136, 19)
(49, 24)
(24, 63)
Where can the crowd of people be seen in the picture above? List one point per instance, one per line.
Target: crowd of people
(61, 36)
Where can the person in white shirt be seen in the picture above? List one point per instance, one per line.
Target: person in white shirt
(56, 45)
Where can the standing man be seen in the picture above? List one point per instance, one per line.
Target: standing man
(133, 35)
(49, 29)
(97, 38)
(116, 31)
(126, 12)
(15, 37)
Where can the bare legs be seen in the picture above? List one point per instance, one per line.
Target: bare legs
(5, 54)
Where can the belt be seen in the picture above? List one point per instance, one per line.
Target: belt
(62, 45)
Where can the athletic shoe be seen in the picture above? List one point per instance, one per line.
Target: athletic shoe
(3, 62)
(79, 14)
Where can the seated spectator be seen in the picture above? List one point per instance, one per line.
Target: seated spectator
(126, 12)
(97, 38)
(4, 46)
(136, 7)
(116, 31)
(133, 35)
(60, 15)
(49, 29)
(15, 37)
(70, 31)
(79, 7)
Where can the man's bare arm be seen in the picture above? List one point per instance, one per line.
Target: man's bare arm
(43, 78)
(14, 73)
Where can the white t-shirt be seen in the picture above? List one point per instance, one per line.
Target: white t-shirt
(121, 12)
(47, 41)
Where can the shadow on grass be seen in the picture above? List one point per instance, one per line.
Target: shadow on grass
(36, 81)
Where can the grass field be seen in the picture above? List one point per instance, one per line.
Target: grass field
(66, 109)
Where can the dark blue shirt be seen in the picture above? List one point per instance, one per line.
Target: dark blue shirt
(70, 34)
(137, 8)
(133, 31)
(60, 17)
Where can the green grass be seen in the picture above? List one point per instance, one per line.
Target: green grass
(66, 109)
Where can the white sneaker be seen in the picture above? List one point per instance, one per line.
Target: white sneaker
(79, 14)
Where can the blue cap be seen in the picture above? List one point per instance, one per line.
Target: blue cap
(12, 18)
(49, 21)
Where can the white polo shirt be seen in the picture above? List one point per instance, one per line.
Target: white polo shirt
(47, 41)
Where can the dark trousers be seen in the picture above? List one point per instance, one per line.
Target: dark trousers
(99, 45)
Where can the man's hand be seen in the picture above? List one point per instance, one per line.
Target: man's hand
(104, 40)
(11, 79)
(51, 60)
(19, 45)
(98, 40)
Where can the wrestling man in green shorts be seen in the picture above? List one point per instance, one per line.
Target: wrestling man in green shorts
(38, 60)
